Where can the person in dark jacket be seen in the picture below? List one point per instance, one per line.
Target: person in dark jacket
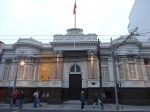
(96, 99)
(82, 100)
(21, 98)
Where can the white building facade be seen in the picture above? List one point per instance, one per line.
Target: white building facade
(140, 17)
(62, 68)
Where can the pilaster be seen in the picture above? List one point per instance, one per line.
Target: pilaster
(59, 65)
(90, 68)
(110, 68)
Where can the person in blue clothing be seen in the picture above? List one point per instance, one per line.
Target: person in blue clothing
(82, 100)
(36, 99)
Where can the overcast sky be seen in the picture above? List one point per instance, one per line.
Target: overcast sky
(50, 17)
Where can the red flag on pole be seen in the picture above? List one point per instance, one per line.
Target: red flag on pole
(74, 9)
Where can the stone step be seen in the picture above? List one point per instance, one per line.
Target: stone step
(72, 102)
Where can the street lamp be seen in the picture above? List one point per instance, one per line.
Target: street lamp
(14, 87)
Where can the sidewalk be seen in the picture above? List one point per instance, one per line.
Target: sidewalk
(76, 107)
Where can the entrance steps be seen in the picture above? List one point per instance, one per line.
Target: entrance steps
(72, 102)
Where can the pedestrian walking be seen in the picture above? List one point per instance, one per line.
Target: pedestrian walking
(15, 95)
(17, 99)
(96, 100)
(21, 99)
(36, 99)
(82, 100)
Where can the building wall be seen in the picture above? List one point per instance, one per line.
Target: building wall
(53, 80)
(140, 17)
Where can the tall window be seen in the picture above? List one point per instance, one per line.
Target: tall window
(75, 68)
(132, 68)
(31, 68)
(7, 69)
(20, 72)
(104, 70)
(31, 71)
(120, 68)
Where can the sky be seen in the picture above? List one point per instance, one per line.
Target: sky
(33, 18)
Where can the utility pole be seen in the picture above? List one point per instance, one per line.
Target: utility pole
(100, 74)
(114, 74)
(14, 87)
(114, 65)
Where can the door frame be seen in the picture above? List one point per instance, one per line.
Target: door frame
(74, 73)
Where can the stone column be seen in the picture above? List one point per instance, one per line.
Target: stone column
(59, 65)
(37, 68)
(95, 66)
(54, 72)
(90, 73)
(14, 69)
(110, 68)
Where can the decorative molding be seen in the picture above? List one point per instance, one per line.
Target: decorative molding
(4, 83)
(31, 83)
(55, 83)
(106, 84)
(45, 84)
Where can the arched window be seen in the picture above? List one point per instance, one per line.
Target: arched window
(75, 68)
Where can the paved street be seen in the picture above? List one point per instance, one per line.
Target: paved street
(71, 108)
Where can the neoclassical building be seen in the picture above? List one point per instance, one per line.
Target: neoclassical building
(62, 68)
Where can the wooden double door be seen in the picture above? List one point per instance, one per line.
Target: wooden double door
(75, 85)
(2, 94)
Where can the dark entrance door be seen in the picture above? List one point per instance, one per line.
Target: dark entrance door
(75, 84)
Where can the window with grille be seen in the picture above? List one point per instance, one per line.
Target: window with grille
(31, 71)
(31, 68)
(120, 68)
(7, 69)
(132, 71)
(20, 72)
(132, 68)
(104, 70)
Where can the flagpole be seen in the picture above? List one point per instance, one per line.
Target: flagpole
(74, 12)
(75, 20)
